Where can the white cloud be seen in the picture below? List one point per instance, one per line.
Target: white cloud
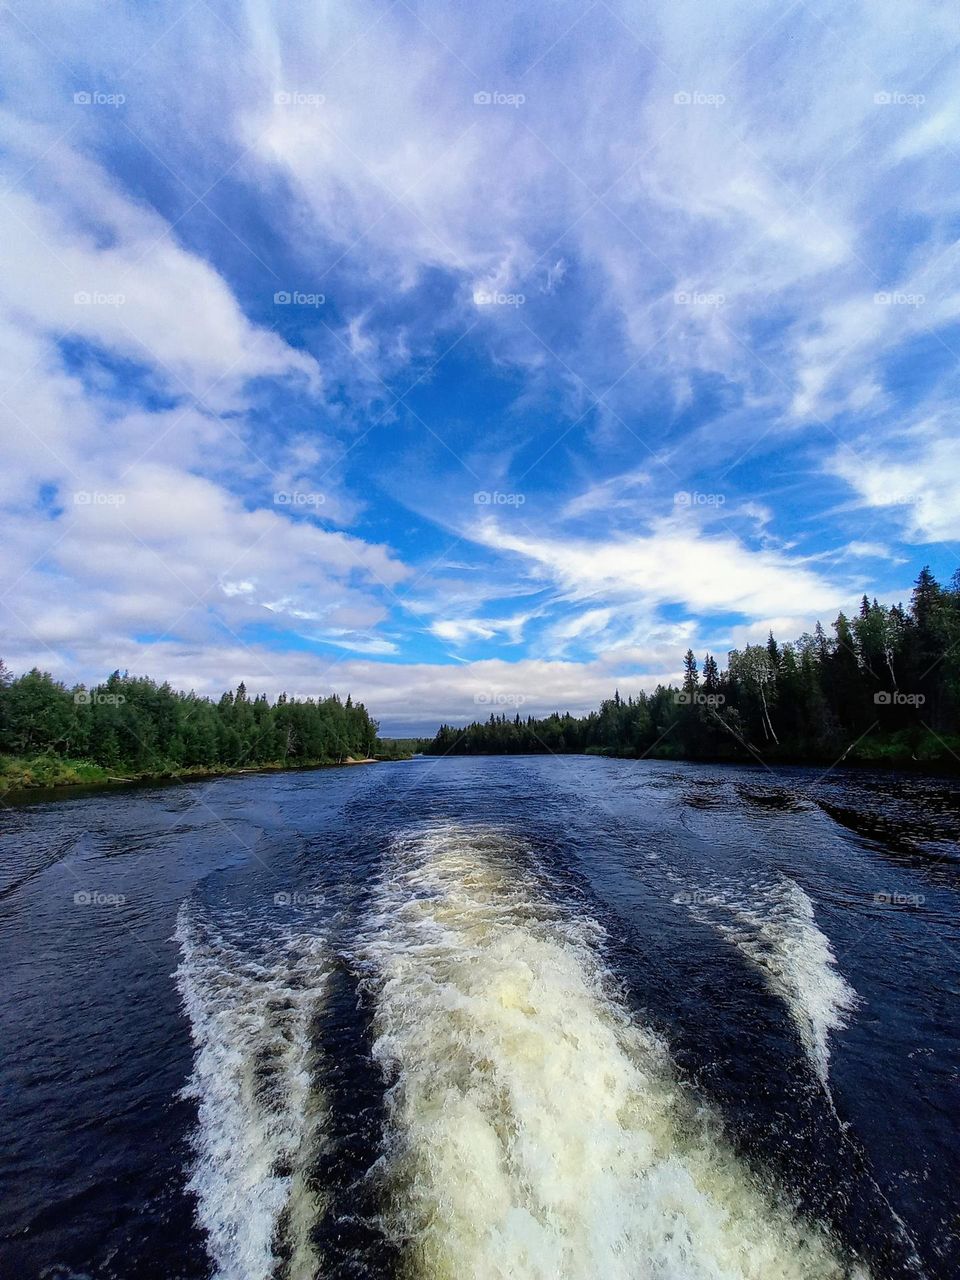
(159, 551)
(916, 474)
(144, 530)
(460, 631)
(872, 551)
(768, 193)
(673, 564)
(86, 262)
(785, 627)
(616, 493)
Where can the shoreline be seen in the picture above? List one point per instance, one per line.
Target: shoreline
(80, 776)
(63, 788)
(945, 766)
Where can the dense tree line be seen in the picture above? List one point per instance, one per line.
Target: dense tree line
(884, 685)
(132, 723)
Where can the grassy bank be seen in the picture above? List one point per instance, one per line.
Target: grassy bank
(22, 774)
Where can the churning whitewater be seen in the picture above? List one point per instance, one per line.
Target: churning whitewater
(482, 1019)
(775, 928)
(534, 1129)
(251, 1004)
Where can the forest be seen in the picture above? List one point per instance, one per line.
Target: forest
(132, 725)
(884, 687)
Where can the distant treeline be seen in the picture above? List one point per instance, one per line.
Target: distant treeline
(132, 724)
(401, 748)
(885, 686)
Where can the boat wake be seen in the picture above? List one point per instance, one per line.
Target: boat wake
(775, 928)
(534, 1129)
(251, 1002)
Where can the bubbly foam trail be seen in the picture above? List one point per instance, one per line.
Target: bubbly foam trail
(536, 1131)
(777, 931)
(260, 1118)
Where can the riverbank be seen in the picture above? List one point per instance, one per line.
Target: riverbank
(907, 751)
(904, 752)
(45, 772)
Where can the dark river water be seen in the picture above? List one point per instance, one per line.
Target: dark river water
(484, 1018)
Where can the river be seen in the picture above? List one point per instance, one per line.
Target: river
(552, 1017)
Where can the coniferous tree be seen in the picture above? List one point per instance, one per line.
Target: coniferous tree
(131, 723)
(886, 683)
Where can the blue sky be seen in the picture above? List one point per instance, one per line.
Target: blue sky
(467, 358)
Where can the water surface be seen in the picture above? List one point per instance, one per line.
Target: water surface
(513, 1017)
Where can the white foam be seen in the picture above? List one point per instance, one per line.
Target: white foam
(536, 1131)
(775, 928)
(250, 1006)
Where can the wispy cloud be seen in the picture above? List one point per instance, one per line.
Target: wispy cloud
(555, 338)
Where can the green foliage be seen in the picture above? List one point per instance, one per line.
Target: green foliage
(884, 688)
(48, 771)
(131, 725)
(400, 748)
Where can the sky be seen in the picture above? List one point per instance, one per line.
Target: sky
(469, 358)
